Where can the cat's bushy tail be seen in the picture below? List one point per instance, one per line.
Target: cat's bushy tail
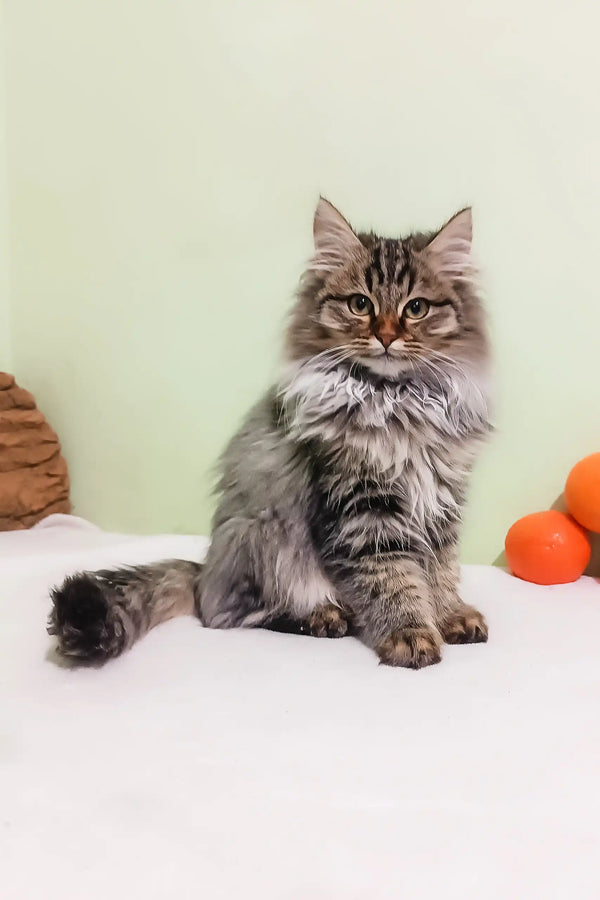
(98, 615)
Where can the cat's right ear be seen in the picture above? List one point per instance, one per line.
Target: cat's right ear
(335, 241)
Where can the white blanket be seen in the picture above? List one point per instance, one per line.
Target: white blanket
(230, 764)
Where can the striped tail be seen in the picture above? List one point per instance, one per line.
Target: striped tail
(98, 615)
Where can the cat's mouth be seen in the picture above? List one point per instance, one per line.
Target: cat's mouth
(387, 362)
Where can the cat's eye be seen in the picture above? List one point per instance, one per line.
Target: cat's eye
(359, 305)
(416, 309)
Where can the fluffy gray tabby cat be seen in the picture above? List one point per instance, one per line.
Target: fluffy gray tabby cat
(341, 494)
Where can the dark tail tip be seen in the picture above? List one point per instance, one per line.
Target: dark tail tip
(81, 620)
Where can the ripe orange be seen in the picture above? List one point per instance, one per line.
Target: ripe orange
(547, 548)
(582, 492)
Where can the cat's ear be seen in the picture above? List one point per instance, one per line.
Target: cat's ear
(450, 249)
(335, 241)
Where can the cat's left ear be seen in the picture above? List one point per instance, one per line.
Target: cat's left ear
(450, 249)
(335, 241)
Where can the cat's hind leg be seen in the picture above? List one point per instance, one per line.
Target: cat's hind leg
(326, 620)
(265, 572)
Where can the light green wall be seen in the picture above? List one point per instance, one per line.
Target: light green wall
(5, 356)
(164, 161)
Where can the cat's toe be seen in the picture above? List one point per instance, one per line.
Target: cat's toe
(412, 648)
(328, 621)
(467, 626)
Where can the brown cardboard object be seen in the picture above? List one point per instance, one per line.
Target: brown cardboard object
(34, 481)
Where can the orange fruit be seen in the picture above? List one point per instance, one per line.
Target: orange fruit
(547, 548)
(582, 492)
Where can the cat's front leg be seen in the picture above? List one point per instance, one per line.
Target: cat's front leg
(395, 615)
(458, 622)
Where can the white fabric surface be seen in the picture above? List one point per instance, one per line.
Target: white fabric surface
(251, 764)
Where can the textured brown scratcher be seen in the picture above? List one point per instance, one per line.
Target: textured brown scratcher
(34, 481)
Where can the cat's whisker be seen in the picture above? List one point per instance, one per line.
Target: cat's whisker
(465, 376)
(331, 355)
(436, 372)
(425, 359)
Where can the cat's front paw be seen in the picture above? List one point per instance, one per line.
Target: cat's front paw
(466, 626)
(412, 648)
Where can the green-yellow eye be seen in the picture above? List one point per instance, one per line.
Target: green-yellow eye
(416, 309)
(359, 305)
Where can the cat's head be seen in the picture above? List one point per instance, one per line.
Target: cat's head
(390, 305)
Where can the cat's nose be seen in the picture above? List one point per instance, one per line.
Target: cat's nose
(385, 337)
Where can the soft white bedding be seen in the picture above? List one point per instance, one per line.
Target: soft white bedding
(251, 764)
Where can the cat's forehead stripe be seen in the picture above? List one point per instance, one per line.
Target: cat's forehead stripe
(390, 263)
(376, 266)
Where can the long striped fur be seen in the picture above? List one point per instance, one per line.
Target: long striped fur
(340, 496)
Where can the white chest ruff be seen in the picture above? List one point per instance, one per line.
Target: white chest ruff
(422, 436)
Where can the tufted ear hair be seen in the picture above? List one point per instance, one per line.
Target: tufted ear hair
(335, 241)
(450, 249)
